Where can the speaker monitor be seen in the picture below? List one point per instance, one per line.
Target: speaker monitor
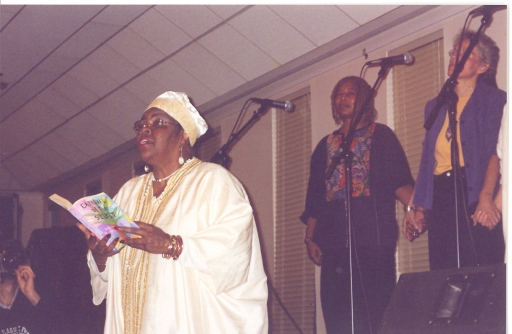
(465, 300)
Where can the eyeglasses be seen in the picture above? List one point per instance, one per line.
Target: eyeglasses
(156, 123)
(472, 55)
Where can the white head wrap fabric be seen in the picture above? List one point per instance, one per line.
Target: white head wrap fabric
(179, 107)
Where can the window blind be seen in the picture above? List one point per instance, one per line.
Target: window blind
(294, 273)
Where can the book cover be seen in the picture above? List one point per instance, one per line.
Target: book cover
(99, 213)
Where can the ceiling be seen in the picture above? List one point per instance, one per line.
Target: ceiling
(75, 77)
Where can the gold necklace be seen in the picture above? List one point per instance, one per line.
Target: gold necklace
(168, 176)
(135, 261)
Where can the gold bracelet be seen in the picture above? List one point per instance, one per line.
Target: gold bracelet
(179, 248)
(174, 247)
(170, 247)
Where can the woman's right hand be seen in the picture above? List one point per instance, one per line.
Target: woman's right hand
(408, 226)
(314, 253)
(99, 249)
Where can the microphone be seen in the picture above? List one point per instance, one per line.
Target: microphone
(403, 59)
(487, 9)
(286, 105)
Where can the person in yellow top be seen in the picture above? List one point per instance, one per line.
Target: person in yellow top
(462, 242)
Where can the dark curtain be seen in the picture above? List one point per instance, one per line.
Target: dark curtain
(58, 258)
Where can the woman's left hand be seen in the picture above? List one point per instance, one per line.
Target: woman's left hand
(152, 239)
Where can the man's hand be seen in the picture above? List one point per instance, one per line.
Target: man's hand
(25, 277)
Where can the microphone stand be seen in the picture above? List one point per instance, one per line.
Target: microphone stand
(448, 96)
(221, 157)
(347, 156)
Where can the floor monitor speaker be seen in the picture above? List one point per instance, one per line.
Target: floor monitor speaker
(465, 300)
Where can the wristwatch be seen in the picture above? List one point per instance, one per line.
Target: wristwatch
(306, 240)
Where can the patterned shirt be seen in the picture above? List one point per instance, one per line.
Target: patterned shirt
(361, 145)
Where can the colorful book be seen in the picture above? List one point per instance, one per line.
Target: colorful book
(99, 213)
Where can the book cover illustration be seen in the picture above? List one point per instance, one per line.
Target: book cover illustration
(99, 213)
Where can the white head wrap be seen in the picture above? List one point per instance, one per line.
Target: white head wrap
(179, 107)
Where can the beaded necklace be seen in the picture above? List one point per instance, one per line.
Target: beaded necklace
(136, 261)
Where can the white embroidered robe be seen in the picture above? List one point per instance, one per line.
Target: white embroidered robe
(218, 284)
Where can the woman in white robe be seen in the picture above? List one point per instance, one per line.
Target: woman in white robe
(194, 212)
